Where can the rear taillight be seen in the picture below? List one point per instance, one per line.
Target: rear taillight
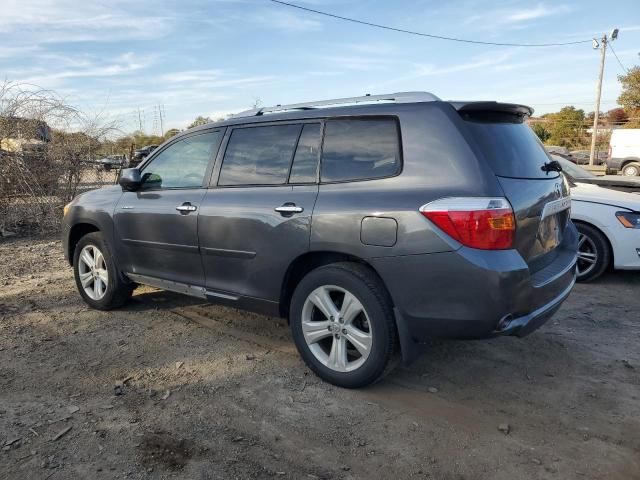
(476, 222)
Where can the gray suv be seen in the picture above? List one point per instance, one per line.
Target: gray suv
(370, 223)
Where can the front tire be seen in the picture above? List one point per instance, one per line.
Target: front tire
(343, 324)
(594, 254)
(631, 169)
(97, 278)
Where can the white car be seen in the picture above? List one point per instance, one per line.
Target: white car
(608, 222)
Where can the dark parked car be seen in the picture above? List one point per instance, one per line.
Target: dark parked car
(141, 153)
(578, 174)
(370, 226)
(112, 161)
(578, 157)
(564, 151)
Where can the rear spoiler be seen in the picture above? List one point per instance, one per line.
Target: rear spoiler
(513, 108)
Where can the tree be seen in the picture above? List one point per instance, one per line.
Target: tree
(541, 131)
(200, 120)
(630, 96)
(141, 139)
(634, 120)
(47, 149)
(591, 115)
(566, 127)
(617, 117)
(171, 133)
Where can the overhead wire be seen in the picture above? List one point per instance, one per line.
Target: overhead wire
(626, 70)
(428, 35)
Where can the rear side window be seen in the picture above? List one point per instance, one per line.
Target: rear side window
(510, 146)
(259, 155)
(359, 149)
(305, 162)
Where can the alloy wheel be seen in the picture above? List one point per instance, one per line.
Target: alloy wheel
(336, 327)
(92, 270)
(587, 255)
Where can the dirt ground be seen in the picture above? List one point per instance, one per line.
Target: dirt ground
(170, 388)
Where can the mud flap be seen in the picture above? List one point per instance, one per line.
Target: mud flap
(408, 346)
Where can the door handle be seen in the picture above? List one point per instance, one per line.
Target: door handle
(289, 208)
(186, 207)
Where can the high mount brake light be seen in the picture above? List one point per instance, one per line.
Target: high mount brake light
(476, 222)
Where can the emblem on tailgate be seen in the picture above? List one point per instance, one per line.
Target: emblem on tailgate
(556, 206)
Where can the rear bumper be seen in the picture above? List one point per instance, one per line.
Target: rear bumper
(526, 324)
(477, 294)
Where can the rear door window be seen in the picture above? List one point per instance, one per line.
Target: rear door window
(305, 162)
(510, 146)
(360, 149)
(259, 155)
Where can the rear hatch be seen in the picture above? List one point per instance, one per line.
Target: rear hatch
(539, 196)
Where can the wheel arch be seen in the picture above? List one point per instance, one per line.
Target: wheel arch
(630, 159)
(603, 233)
(76, 232)
(626, 161)
(309, 261)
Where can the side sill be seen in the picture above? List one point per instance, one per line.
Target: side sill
(257, 305)
(178, 287)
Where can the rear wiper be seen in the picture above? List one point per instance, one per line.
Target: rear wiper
(552, 166)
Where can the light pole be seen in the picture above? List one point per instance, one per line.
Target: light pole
(603, 50)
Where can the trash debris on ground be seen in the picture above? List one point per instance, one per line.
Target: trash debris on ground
(62, 433)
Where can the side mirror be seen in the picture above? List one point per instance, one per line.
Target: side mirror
(130, 179)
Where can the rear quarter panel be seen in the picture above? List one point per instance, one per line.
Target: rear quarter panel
(437, 162)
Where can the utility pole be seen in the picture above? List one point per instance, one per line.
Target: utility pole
(161, 110)
(603, 50)
(594, 133)
(139, 120)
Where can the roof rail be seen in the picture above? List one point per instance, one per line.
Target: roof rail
(399, 97)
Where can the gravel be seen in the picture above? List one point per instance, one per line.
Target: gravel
(203, 391)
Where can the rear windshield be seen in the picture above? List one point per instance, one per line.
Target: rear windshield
(510, 146)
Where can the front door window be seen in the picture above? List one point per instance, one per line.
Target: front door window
(182, 164)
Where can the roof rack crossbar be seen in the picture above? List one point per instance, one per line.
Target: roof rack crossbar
(398, 97)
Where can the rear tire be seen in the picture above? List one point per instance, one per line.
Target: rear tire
(343, 325)
(631, 169)
(97, 278)
(594, 254)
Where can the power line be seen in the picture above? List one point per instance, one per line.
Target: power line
(616, 55)
(569, 102)
(429, 35)
(584, 123)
